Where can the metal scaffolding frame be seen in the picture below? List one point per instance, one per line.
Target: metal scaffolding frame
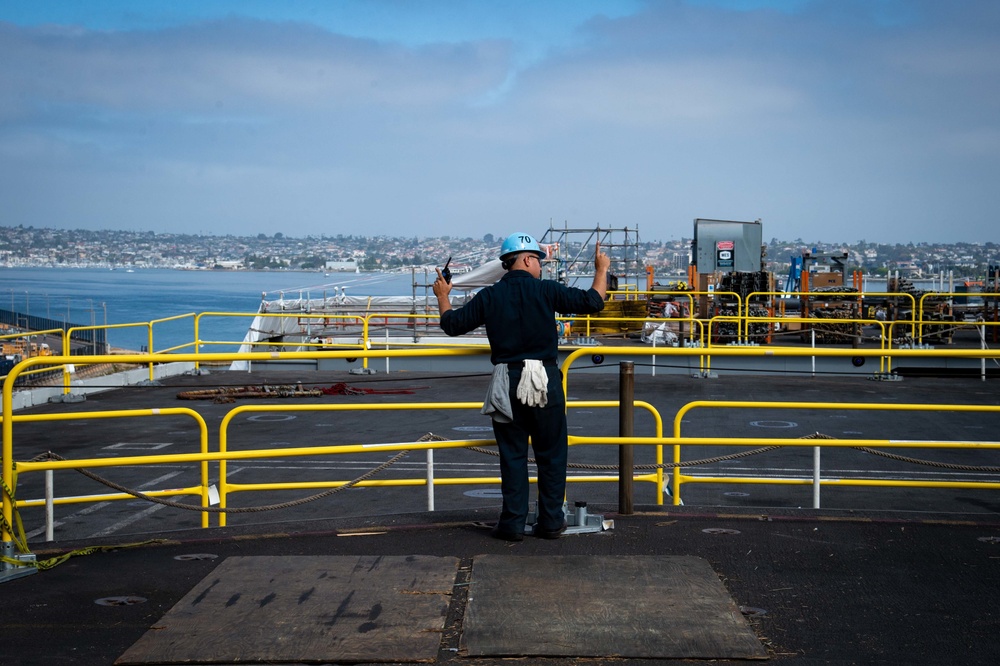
(572, 258)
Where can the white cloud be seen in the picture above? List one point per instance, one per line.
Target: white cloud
(823, 116)
(662, 96)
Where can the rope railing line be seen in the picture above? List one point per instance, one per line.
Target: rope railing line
(908, 459)
(753, 452)
(612, 468)
(214, 509)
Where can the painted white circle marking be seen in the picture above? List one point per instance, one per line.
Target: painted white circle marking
(267, 418)
(774, 424)
(486, 493)
(473, 428)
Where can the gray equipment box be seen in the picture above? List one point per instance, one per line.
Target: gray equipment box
(726, 246)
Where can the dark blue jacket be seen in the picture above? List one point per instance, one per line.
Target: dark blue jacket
(519, 314)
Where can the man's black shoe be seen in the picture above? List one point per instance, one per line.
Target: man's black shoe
(549, 534)
(504, 535)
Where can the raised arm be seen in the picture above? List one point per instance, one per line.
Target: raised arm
(601, 264)
(442, 289)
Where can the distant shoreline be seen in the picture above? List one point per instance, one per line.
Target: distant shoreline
(399, 271)
(135, 269)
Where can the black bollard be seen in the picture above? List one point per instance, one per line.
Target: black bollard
(626, 410)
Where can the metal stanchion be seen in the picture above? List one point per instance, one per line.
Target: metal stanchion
(626, 398)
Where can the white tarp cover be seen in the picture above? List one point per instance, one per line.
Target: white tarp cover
(480, 277)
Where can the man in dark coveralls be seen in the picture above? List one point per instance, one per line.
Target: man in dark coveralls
(525, 396)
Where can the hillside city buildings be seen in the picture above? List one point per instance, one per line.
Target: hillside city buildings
(30, 246)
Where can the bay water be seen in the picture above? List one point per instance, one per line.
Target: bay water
(99, 296)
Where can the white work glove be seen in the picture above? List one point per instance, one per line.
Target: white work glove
(533, 389)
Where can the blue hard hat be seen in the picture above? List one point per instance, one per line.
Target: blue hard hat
(520, 243)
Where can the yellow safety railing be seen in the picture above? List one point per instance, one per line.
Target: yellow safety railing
(915, 322)
(885, 339)
(699, 330)
(656, 477)
(634, 294)
(839, 297)
(679, 478)
(689, 319)
(922, 323)
(223, 455)
(770, 352)
(629, 291)
(6, 453)
(411, 319)
(25, 343)
(201, 490)
(225, 487)
(164, 320)
(31, 334)
(323, 317)
(204, 456)
(198, 342)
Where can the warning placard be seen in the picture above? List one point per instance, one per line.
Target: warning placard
(724, 254)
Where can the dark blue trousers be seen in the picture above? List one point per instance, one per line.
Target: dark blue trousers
(547, 428)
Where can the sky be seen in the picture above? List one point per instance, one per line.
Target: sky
(827, 120)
